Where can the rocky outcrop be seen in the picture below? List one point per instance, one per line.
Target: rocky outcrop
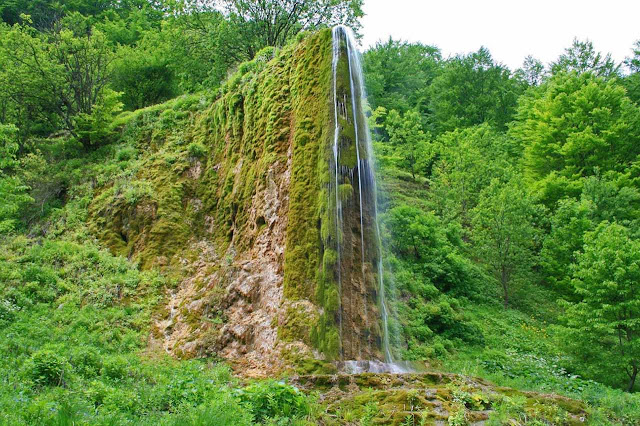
(435, 398)
(226, 199)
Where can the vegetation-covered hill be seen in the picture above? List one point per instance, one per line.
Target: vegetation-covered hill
(159, 179)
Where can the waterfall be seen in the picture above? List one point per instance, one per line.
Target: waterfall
(363, 314)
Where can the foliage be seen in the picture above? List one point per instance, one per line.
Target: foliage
(466, 160)
(143, 76)
(409, 143)
(13, 192)
(273, 399)
(472, 90)
(273, 22)
(533, 72)
(581, 57)
(78, 318)
(63, 74)
(607, 315)
(574, 126)
(504, 233)
(569, 223)
(44, 14)
(45, 367)
(429, 270)
(399, 74)
(632, 81)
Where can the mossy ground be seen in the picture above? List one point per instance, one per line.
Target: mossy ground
(435, 398)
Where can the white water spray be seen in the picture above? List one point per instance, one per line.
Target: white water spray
(366, 182)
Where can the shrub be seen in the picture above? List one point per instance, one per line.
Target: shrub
(196, 149)
(222, 410)
(46, 368)
(115, 368)
(7, 311)
(125, 154)
(271, 398)
(86, 361)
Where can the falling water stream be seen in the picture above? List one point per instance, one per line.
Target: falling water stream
(363, 317)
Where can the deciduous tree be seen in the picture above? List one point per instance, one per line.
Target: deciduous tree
(606, 320)
(574, 126)
(504, 233)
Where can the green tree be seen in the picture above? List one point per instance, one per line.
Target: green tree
(466, 162)
(44, 14)
(264, 23)
(409, 141)
(632, 81)
(62, 74)
(582, 57)
(472, 90)
(606, 320)
(399, 74)
(200, 47)
(431, 250)
(573, 126)
(144, 77)
(532, 72)
(13, 192)
(504, 233)
(569, 223)
(602, 198)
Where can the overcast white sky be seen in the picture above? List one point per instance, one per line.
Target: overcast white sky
(511, 29)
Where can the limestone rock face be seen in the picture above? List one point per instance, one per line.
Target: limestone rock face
(238, 227)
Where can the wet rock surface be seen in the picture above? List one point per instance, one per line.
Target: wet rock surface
(432, 398)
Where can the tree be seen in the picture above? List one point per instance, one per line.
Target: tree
(632, 81)
(569, 223)
(606, 320)
(532, 71)
(574, 126)
(62, 74)
(45, 14)
(472, 90)
(273, 22)
(13, 192)
(144, 77)
(503, 233)
(399, 75)
(582, 57)
(603, 198)
(430, 249)
(409, 141)
(466, 162)
(199, 46)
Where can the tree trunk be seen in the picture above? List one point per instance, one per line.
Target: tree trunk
(504, 280)
(632, 379)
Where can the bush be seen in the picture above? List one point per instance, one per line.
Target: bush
(115, 368)
(125, 154)
(86, 361)
(221, 410)
(271, 399)
(7, 311)
(196, 149)
(46, 368)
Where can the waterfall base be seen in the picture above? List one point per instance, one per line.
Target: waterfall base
(432, 398)
(361, 366)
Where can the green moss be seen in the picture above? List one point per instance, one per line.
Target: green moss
(345, 192)
(200, 169)
(297, 324)
(329, 260)
(311, 92)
